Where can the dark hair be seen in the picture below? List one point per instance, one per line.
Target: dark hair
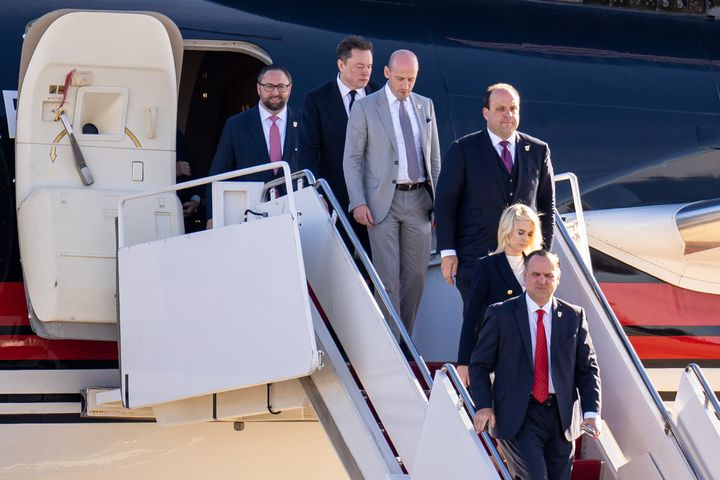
(273, 66)
(343, 51)
(543, 253)
(499, 86)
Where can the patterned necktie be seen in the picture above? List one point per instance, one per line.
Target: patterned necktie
(352, 99)
(413, 167)
(540, 383)
(275, 145)
(506, 156)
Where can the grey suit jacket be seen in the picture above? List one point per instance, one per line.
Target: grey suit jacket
(505, 348)
(370, 161)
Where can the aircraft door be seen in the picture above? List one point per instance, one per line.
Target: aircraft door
(96, 121)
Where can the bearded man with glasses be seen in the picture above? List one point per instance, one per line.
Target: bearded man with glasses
(262, 134)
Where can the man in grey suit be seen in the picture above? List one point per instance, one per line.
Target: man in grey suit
(540, 351)
(391, 164)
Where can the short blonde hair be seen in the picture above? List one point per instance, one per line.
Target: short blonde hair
(518, 211)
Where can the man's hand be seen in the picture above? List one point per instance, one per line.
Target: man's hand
(464, 374)
(362, 215)
(190, 207)
(591, 423)
(182, 169)
(209, 224)
(448, 266)
(484, 417)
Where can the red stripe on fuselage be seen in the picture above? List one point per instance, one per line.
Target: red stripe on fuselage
(13, 312)
(659, 304)
(654, 347)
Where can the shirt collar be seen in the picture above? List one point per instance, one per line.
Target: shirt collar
(344, 89)
(496, 140)
(264, 114)
(534, 307)
(391, 97)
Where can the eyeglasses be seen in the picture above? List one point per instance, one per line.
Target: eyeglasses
(269, 87)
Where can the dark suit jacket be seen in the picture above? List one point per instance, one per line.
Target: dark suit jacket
(494, 282)
(470, 195)
(322, 139)
(504, 347)
(242, 144)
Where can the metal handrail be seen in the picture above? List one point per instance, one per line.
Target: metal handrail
(449, 368)
(286, 178)
(710, 398)
(669, 423)
(579, 214)
(375, 278)
(300, 175)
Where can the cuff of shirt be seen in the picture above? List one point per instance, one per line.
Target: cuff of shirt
(446, 253)
(587, 415)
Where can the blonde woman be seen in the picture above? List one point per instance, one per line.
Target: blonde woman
(498, 276)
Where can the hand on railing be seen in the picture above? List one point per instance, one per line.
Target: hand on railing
(464, 373)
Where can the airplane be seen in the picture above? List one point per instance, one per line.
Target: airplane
(645, 153)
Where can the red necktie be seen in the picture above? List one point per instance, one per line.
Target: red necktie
(540, 384)
(506, 156)
(275, 145)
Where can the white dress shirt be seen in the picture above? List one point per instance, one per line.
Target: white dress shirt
(394, 103)
(532, 309)
(345, 94)
(498, 148)
(267, 123)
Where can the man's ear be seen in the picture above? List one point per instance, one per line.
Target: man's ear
(386, 71)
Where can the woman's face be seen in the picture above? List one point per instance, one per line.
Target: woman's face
(520, 237)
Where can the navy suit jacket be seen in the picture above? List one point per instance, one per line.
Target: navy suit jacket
(494, 282)
(504, 347)
(470, 195)
(242, 144)
(322, 141)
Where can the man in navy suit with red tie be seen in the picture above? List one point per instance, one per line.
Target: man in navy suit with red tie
(262, 134)
(482, 173)
(540, 351)
(325, 118)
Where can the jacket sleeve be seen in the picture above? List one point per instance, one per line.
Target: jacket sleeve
(448, 196)
(474, 312)
(587, 372)
(222, 162)
(546, 200)
(483, 360)
(354, 155)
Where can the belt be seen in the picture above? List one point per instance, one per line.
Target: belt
(409, 187)
(551, 400)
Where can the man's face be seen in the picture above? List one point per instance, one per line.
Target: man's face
(274, 101)
(503, 116)
(355, 72)
(401, 76)
(541, 279)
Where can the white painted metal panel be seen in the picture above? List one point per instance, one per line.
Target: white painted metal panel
(449, 446)
(356, 319)
(699, 424)
(214, 311)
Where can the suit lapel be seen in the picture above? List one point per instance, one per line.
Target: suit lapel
(521, 317)
(491, 159)
(258, 136)
(291, 131)
(507, 274)
(556, 326)
(420, 116)
(522, 161)
(336, 106)
(383, 110)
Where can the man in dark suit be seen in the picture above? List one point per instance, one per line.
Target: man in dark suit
(540, 351)
(325, 118)
(483, 173)
(262, 134)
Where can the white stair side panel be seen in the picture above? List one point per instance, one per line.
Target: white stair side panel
(214, 311)
(698, 423)
(627, 405)
(357, 321)
(449, 446)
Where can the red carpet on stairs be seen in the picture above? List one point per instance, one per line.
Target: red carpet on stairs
(584, 469)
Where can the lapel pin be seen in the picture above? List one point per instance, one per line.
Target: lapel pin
(527, 148)
(559, 314)
(295, 126)
(509, 292)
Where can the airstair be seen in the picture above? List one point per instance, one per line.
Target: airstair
(294, 320)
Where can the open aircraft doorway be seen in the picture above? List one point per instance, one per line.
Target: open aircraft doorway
(217, 81)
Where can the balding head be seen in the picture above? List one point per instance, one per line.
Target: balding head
(401, 72)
